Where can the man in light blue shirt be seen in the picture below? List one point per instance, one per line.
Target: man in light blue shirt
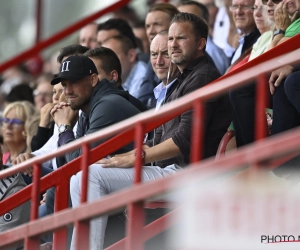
(133, 70)
(165, 70)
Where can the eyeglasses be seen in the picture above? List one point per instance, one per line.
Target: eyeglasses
(15, 123)
(243, 7)
(273, 1)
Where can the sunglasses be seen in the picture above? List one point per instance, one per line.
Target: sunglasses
(15, 123)
(273, 1)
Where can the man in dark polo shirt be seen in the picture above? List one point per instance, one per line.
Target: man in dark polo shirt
(170, 148)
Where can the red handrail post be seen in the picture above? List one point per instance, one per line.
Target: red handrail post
(135, 211)
(85, 172)
(83, 227)
(197, 135)
(262, 94)
(61, 202)
(35, 199)
(34, 242)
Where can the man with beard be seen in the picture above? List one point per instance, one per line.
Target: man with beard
(101, 102)
(169, 150)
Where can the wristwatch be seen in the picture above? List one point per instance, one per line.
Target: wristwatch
(63, 128)
(277, 32)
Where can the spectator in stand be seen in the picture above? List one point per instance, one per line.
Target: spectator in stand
(242, 113)
(163, 67)
(21, 92)
(108, 66)
(133, 70)
(244, 99)
(19, 215)
(264, 21)
(219, 58)
(44, 132)
(46, 126)
(222, 27)
(266, 26)
(88, 36)
(43, 92)
(170, 149)
(242, 14)
(287, 21)
(158, 19)
(213, 10)
(15, 117)
(139, 31)
(284, 82)
(14, 76)
(120, 27)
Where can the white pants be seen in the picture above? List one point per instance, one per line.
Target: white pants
(103, 181)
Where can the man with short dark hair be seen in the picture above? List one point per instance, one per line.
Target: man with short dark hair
(74, 49)
(120, 27)
(217, 55)
(109, 67)
(88, 35)
(133, 70)
(169, 151)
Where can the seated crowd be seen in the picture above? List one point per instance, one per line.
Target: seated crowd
(110, 77)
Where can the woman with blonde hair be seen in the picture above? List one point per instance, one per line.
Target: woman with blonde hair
(15, 117)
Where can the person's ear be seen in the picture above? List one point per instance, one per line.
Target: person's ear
(201, 44)
(114, 75)
(132, 54)
(94, 80)
(24, 133)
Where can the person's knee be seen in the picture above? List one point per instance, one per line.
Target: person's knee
(74, 182)
(292, 85)
(50, 198)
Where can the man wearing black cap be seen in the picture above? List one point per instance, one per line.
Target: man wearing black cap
(101, 102)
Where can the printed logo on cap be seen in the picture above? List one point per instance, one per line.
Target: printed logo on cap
(7, 217)
(65, 66)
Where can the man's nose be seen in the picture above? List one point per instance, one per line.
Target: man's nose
(160, 59)
(68, 89)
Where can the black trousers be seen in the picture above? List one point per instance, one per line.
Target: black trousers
(286, 104)
(243, 108)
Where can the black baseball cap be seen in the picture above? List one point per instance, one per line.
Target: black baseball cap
(75, 68)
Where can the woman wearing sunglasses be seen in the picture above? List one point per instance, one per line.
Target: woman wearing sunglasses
(15, 116)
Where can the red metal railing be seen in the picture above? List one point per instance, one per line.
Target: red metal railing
(41, 45)
(138, 125)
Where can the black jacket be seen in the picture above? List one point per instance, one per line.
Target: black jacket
(196, 75)
(108, 106)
